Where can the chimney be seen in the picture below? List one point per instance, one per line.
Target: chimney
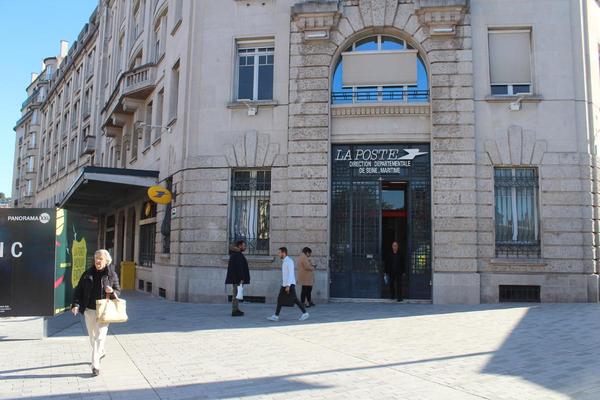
(34, 76)
(64, 48)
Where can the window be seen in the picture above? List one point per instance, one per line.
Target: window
(87, 99)
(65, 124)
(119, 58)
(134, 144)
(250, 209)
(147, 235)
(89, 67)
(178, 14)
(137, 21)
(516, 198)
(413, 69)
(72, 149)
(510, 61)
(63, 156)
(75, 115)
(255, 71)
(157, 47)
(160, 37)
(174, 94)
(159, 113)
(77, 83)
(148, 126)
(67, 92)
(84, 134)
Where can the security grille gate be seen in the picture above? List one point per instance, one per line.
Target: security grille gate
(358, 171)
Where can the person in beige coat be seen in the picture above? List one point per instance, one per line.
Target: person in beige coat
(306, 277)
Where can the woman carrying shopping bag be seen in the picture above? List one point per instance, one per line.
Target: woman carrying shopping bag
(96, 283)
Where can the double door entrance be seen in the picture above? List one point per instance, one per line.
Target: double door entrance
(380, 195)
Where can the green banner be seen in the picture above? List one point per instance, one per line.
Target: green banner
(76, 241)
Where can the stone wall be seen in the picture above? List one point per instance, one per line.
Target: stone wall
(452, 121)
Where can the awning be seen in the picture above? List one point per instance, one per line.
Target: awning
(99, 189)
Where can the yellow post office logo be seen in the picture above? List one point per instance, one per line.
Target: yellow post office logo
(159, 194)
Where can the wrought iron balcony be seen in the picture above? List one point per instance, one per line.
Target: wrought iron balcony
(32, 100)
(380, 96)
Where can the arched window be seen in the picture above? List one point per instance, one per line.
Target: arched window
(373, 94)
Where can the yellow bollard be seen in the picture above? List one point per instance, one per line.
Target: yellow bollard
(127, 275)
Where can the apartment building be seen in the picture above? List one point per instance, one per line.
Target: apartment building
(463, 130)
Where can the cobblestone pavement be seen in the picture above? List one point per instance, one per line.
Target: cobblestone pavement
(344, 351)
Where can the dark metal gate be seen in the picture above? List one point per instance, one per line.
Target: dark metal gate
(356, 261)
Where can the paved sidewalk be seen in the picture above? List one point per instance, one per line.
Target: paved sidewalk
(344, 351)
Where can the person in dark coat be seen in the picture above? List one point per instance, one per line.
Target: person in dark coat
(237, 274)
(96, 282)
(394, 268)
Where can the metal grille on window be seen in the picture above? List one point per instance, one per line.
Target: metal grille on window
(147, 238)
(251, 209)
(517, 221)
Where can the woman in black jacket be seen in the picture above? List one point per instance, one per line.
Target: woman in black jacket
(96, 282)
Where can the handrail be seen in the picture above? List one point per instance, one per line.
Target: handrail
(377, 96)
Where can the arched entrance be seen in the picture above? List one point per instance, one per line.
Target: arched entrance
(380, 183)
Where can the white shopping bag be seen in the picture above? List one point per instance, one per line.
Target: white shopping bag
(240, 293)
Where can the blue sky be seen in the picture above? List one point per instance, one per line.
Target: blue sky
(30, 30)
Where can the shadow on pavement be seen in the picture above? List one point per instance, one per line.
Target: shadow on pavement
(149, 314)
(12, 371)
(559, 351)
(287, 383)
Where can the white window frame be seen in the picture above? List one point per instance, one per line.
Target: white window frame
(254, 44)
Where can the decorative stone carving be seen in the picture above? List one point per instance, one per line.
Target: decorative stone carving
(379, 110)
(252, 151)
(441, 16)
(517, 147)
(315, 19)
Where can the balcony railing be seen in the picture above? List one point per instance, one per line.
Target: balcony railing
(89, 145)
(31, 100)
(139, 80)
(380, 96)
(137, 83)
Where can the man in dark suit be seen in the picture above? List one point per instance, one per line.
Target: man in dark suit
(394, 268)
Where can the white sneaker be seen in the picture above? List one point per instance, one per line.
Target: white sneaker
(273, 317)
(304, 316)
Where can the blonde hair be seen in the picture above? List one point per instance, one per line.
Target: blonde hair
(106, 255)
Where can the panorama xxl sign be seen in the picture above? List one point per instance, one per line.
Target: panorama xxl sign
(27, 261)
(43, 253)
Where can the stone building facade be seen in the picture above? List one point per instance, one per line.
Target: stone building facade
(464, 130)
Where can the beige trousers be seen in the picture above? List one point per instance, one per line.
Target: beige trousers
(97, 332)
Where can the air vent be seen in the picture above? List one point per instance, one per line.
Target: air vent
(149, 287)
(519, 294)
